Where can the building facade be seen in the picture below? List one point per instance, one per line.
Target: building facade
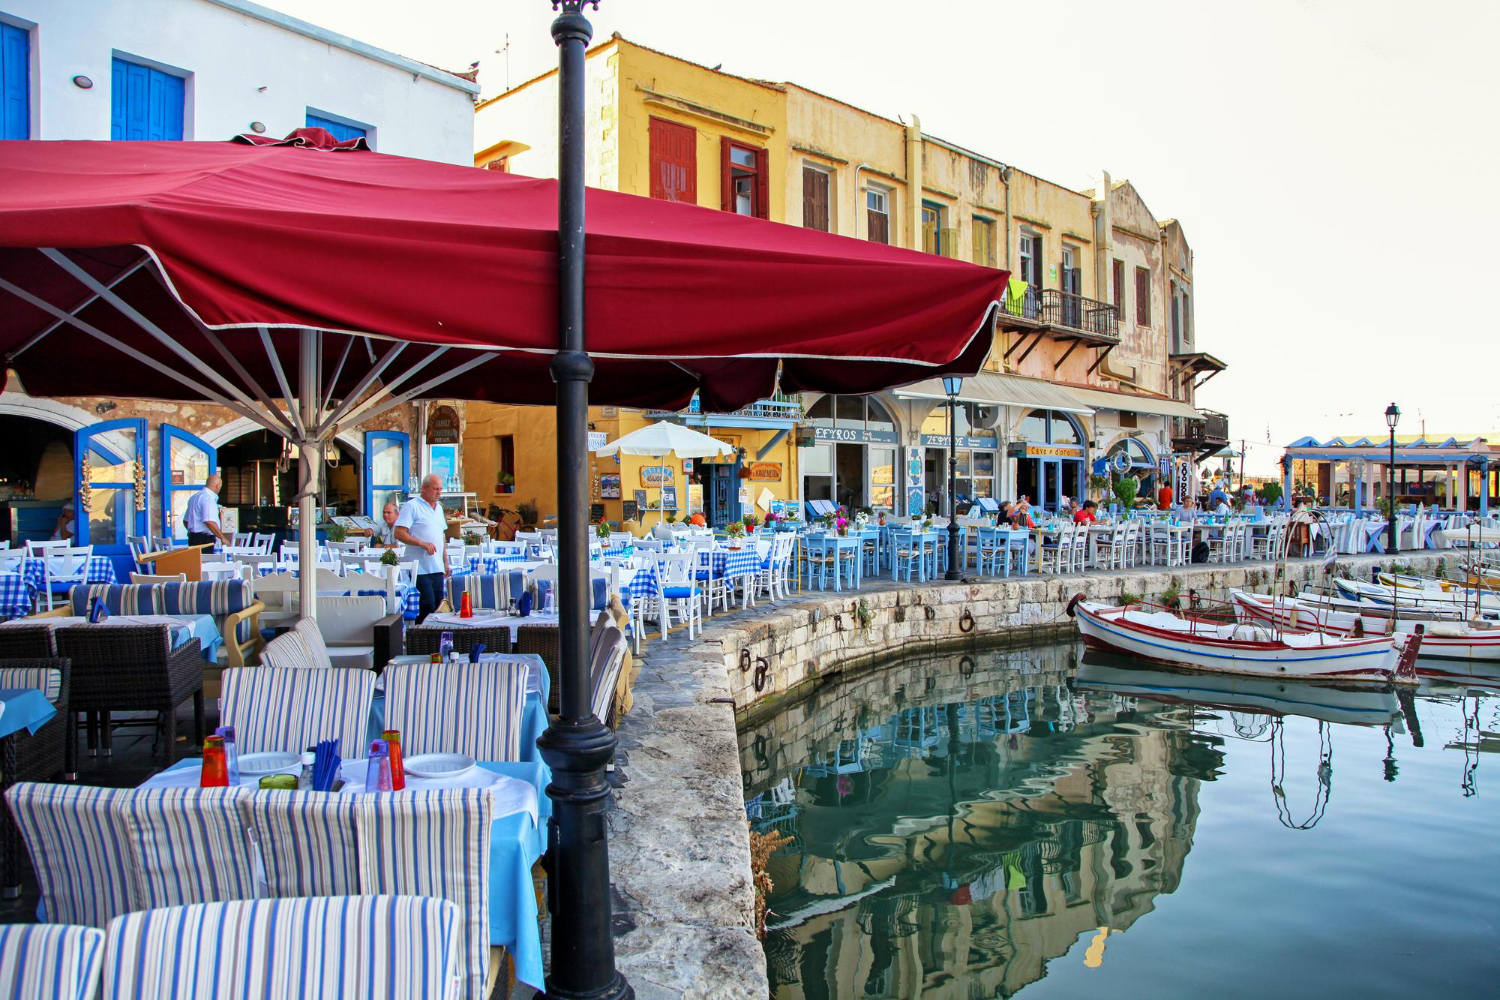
(1093, 366)
(206, 70)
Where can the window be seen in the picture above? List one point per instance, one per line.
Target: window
(15, 82)
(1117, 287)
(1049, 427)
(1176, 320)
(815, 199)
(1187, 322)
(744, 180)
(145, 103)
(877, 215)
(882, 465)
(1031, 259)
(674, 161)
(500, 164)
(1142, 296)
(982, 231)
(341, 130)
(508, 456)
(932, 228)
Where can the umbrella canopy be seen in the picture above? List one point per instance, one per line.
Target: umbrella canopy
(666, 438)
(222, 252)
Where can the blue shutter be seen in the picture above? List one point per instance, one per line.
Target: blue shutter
(338, 130)
(15, 82)
(145, 104)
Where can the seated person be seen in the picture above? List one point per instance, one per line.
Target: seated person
(1085, 514)
(1020, 514)
(384, 534)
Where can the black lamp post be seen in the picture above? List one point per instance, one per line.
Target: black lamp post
(577, 746)
(951, 386)
(1392, 418)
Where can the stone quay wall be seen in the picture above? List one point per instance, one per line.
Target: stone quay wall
(679, 845)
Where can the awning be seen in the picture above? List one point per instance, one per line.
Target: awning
(989, 388)
(1101, 399)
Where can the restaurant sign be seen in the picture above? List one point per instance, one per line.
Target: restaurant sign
(656, 475)
(443, 426)
(940, 441)
(1031, 449)
(765, 472)
(855, 435)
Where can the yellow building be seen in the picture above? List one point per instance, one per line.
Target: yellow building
(1093, 362)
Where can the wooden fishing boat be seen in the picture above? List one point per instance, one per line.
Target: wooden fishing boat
(1200, 643)
(1446, 640)
(1487, 604)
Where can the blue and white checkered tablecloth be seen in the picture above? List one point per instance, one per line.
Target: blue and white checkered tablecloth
(17, 595)
(100, 570)
(492, 561)
(726, 563)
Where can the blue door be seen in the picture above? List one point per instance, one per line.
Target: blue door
(186, 463)
(115, 453)
(145, 103)
(15, 82)
(387, 459)
(338, 130)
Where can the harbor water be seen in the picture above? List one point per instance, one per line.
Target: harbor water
(1064, 824)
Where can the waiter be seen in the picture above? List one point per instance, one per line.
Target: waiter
(201, 519)
(422, 527)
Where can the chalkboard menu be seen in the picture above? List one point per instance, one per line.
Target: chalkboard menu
(596, 513)
(631, 510)
(640, 500)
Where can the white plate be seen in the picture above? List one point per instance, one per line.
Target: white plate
(269, 762)
(438, 765)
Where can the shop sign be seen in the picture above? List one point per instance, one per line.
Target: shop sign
(971, 443)
(1035, 450)
(765, 472)
(657, 475)
(597, 440)
(854, 435)
(442, 426)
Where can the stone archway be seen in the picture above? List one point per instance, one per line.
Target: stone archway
(225, 433)
(52, 411)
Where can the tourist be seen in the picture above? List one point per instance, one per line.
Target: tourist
(1020, 514)
(422, 527)
(1222, 508)
(1303, 517)
(385, 532)
(1216, 496)
(201, 518)
(1085, 514)
(67, 524)
(1164, 496)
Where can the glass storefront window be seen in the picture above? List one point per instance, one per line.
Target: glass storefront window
(850, 409)
(821, 413)
(103, 522)
(883, 477)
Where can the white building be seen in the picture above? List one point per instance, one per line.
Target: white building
(211, 69)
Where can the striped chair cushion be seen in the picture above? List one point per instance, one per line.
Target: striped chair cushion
(332, 948)
(77, 842)
(598, 588)
(306, 842)
(120, 598)
(44, 679)
(434, 843)
(187, 845)
(485, 590)
(218, 598)
(458, 708)
(280, 708)
(312, 641)
(289, 651)
(56, 961)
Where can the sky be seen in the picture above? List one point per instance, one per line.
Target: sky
(1314, 151)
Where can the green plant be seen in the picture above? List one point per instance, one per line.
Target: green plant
(750, 520)
(527, 511)
(1271, 492)
(1126, 489)
(671, 518)
(335, 532)
(389, 558)
(1098, 483)
(473, 538)
(863, 614)
(602, 530)
(1383, 504)
(735, 529)
(1170, 595)
(1126, 597)
(506, 479)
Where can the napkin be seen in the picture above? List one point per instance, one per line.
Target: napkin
(326, 762)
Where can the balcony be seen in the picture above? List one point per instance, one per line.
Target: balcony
(1205, 435)
(1063, 314)
(781, 410)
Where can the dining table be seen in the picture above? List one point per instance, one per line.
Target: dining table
(184, 628)
(17, 595)
(101, 569)
(517, 840)
(26, 709)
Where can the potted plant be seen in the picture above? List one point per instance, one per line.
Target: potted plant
(735, 531)
(389, 558)
(473, 538)
(750, 521)
(671, 518)
(841, 524)
(1125, 491)
(335, 532)
(1097, 486)
(507, 483)
(602, 530)
(528, 512)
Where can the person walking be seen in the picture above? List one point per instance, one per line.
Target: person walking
(201, 518)
(422, 527)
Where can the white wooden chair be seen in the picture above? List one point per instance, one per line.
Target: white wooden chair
(242, 539)
(64, 566)
(679, 594)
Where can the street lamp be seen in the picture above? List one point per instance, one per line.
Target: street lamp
(576, 746)
(1392, 418)
(952, 385)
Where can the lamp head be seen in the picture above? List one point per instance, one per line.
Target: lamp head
(1392, 416)
(952, 385)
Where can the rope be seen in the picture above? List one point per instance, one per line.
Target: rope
(1278, 773)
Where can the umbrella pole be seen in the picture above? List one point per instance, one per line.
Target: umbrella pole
(577, 746)
(307, 483)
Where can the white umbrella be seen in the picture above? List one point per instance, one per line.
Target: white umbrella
(666, 438)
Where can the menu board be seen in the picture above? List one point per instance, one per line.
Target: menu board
(669, 498)
(630, 512)
(640, 500)
(596, 513)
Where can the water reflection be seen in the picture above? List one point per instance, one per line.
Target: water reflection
(954, 830)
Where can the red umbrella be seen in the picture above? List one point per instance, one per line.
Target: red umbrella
(242, 237)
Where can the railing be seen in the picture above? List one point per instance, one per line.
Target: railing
(1209, 428)
(1028, 306)
(780, 406)
(1072, 311)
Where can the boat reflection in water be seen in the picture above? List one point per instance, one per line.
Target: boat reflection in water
(956, 826)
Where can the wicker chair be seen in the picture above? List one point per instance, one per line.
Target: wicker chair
(543, 641)
(132, 668)
(422, 640)
(39, 756)
(27, 642)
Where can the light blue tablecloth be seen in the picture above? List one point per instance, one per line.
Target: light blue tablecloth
(24, 708)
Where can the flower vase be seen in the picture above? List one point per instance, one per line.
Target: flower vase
(843, 532)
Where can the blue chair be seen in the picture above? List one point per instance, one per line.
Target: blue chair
(993, 551)
(1018, 541)
(907, 554)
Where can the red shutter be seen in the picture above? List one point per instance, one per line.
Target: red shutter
(762, 184)
(726, 177)
(674, 161)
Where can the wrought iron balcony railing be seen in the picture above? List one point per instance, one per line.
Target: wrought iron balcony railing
(1073, 312)
(781, 406)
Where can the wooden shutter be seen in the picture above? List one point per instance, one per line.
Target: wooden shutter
(1118, 276)
(878, 226)
(674, 161)
(762, 184)
(1142, 296)
(726, 176)
(814, 199)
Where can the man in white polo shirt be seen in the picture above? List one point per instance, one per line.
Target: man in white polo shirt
(423, 528)
(201, 518)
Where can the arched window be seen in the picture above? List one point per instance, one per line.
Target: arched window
(1051, 427)
(1135, 452)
